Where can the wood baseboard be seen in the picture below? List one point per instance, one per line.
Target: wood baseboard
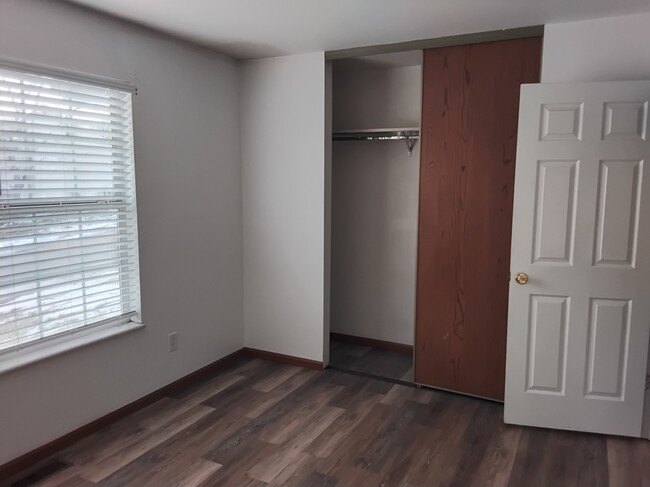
(285, 359)
(371, 342)
(35, 457)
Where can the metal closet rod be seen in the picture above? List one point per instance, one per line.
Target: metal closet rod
(376, 135)
(410, 136)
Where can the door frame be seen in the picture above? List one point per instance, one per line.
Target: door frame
(421, 44)
(435, 42)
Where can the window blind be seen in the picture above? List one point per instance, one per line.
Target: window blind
(68, 231)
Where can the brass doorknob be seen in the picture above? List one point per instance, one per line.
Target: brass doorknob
(521, 278)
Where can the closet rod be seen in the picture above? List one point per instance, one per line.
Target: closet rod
(409, 135)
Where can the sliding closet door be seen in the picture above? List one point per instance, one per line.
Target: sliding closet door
(470, 106)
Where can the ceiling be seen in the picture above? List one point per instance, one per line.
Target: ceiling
(262, 28)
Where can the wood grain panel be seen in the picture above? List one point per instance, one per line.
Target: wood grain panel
(469, 125)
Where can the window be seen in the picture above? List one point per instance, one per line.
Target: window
(68, 233)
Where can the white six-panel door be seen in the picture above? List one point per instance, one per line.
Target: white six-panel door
(578, 329)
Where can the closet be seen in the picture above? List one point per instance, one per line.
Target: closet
(375, 159)
(423, 162)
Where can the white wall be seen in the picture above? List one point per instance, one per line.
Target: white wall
(374, 98)
(189, 212)
(283, 175)
(375, 206)
(611, 49)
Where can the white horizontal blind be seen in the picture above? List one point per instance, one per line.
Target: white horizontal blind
(68, 232)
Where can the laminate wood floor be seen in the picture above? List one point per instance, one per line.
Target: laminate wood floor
(379, 362)
(260, 423)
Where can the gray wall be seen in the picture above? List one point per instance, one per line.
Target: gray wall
(375, 205)
(186, 127)
(283, 175)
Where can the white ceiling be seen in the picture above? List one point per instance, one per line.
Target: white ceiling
(261, 28)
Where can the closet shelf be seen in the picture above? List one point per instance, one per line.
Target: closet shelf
(409, 134)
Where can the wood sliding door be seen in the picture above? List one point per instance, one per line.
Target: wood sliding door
(470, 106)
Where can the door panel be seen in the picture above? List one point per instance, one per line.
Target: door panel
(616, 231)
(583, 146)
(547, 344)
(609, 322)
(468, 136)
(555, 202)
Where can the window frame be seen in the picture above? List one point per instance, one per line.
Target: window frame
(20, 355)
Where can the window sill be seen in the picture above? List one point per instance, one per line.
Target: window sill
(22, 358)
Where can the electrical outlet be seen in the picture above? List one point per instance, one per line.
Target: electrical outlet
(173, 341)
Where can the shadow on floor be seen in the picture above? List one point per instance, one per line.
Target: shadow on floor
(377, 362)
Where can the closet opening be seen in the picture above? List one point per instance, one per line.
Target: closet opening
(376, 105)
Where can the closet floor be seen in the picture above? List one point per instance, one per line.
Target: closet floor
(378, 362)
